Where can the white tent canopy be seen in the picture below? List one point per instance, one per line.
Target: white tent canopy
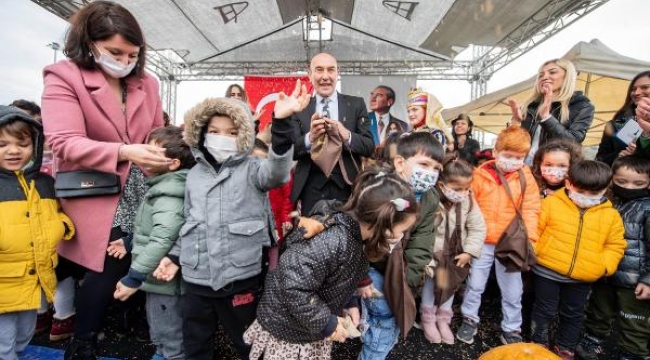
(603, 75)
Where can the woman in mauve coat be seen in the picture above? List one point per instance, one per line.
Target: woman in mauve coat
(99, 106)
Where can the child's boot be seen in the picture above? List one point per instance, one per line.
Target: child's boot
(444, 320)
(428, 323)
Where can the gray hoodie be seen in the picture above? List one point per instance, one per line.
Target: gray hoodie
(226, 221)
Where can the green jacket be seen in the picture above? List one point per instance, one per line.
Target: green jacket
(157, 224)
(419, 250)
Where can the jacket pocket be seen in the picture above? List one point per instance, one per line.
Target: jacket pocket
(190, 236)
(246, 239)
(14, 287)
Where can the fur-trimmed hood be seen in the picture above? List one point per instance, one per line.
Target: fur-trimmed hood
(198, 117)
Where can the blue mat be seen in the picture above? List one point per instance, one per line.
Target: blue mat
(42, 353)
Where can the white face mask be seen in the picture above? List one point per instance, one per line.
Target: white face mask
(453, 195)
(508, 165)
(553, 175)
(393, 242)
(583, 201)
(221, 147)
(112, 67)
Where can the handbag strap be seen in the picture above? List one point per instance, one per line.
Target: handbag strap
(522, 183)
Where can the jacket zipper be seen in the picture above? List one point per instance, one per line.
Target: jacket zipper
(577, 245)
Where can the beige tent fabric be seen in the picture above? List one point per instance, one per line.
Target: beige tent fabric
(603, 75)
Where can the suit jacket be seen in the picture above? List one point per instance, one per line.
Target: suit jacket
(353, 115)
(85, 126)
(374, 126)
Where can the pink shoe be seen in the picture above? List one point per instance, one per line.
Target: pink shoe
(428, 324)
(443, 321)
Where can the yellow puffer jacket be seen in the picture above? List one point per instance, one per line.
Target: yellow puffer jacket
(584, 245)
(31, 226)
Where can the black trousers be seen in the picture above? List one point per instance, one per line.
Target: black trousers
(201, 315)
(571, 299)
(95, 293)
(311, 194)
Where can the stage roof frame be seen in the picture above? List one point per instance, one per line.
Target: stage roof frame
(203, 40)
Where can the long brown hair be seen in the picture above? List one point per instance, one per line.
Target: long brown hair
(372, 203)
(628, 109)
(101, 20)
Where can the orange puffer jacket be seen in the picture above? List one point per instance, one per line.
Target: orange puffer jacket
(498, 210)
(583, 244)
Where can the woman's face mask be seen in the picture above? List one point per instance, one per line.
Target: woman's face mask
(112, 67)
(221, 147)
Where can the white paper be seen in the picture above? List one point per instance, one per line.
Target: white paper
(629, 132)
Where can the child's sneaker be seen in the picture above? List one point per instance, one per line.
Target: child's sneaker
(467, 331)
(564, 354)
(590, 347)
(511, 337)
(43, 322)
(62, 329)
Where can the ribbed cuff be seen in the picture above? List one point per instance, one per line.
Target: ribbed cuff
(133, 279)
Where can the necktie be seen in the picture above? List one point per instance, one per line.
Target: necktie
(380, 122)
(326, 108)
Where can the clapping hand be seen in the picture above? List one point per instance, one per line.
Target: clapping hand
(516, 111)
(287, 105)
(545, 107)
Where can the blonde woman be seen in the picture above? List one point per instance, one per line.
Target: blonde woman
(555, 110)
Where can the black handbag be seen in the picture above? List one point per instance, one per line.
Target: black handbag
(83, 183)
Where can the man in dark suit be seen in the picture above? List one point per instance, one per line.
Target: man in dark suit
(382, 99)
(328, 108)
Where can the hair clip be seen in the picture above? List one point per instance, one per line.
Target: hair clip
(380, 174)
(401, 204)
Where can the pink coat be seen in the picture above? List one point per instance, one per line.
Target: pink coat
(85, 126)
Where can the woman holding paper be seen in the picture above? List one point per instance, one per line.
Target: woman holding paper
(613, 146)
(555, 110)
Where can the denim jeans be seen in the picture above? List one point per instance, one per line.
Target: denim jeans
(571, 299)
(380, 328)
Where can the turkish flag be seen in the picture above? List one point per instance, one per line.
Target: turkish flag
(262, 92)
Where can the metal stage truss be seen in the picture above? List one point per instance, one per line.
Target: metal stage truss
(427, 63)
